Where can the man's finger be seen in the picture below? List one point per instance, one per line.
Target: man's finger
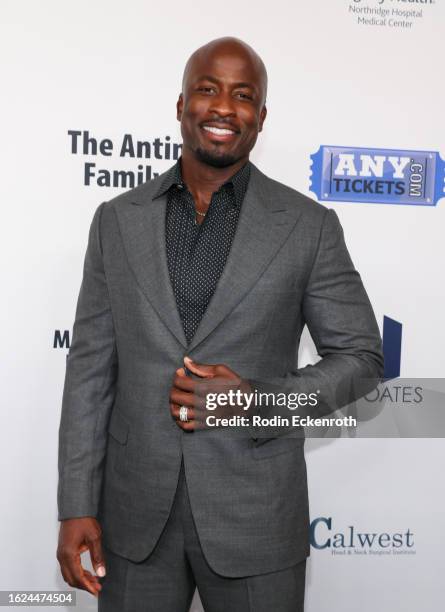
(175, 410)
(186, 399)
(77, 578)
(66, 560)
(65, 574)
(191, 425)
(94, 580)
(92, 577)
(196, 419)
(181, 381)
(215, 385)
(193, 414)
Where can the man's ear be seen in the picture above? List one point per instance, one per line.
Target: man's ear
(263, 114)
(179, 107)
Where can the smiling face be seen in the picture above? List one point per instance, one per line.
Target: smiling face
(222, 104)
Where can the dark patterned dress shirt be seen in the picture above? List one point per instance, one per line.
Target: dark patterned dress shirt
(197, 253)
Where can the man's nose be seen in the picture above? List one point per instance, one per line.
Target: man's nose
(222, 104)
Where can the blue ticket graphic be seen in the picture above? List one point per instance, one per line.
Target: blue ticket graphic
(379, 176)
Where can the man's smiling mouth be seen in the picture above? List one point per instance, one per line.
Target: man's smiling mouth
(218, 131)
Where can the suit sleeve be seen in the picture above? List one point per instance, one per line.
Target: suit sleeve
(89, 389)
(342, 324)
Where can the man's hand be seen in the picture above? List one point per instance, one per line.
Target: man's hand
(191, 393)
(77, 535)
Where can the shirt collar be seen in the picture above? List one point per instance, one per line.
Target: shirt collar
(239, 181)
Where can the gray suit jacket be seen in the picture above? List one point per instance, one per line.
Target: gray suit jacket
(119, 449)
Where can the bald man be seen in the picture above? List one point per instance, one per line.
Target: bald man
(199, 282)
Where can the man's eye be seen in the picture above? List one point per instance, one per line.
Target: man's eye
(205, 89)
(244, 96)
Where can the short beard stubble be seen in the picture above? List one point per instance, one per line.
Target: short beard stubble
(215, 160)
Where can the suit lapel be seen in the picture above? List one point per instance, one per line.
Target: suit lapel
(142, 224)
(263, 226)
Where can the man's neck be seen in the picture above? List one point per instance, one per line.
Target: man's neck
(203, 180)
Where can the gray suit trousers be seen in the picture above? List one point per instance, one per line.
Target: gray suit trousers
(166, 580)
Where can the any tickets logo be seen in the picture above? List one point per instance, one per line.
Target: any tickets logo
(381, 176)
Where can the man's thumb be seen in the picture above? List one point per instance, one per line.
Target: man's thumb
(97, 558)
(205, 371)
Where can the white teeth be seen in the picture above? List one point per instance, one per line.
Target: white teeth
(216, 130)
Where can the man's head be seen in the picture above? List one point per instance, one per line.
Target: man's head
(224, 87)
